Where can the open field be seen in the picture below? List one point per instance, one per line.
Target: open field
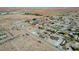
(24, 26)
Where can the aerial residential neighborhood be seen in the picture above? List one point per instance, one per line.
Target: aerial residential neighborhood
(39, 29)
